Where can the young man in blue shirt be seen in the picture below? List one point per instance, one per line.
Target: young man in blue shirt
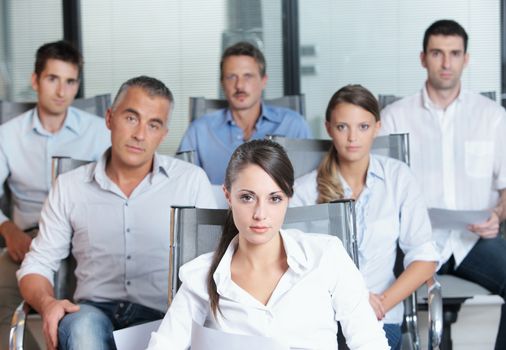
(27, 143)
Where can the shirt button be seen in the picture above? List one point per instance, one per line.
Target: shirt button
(128, 283)
(128, 230)
(126, 204)
(121, 304)
(128, 257)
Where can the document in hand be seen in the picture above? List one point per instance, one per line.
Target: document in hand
(447, 219)
(209, 339)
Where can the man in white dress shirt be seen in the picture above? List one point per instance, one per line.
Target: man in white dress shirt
(114, 217)
(458, 147)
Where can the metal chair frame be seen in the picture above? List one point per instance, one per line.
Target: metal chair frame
(64, 279)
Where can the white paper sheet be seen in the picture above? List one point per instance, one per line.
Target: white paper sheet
(135, 337)
(448, 219)
(204, 338)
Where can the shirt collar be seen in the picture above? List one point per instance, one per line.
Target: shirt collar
(374, 171)
(266, 113)
(427, 102)
(296, 258)
(375, 168)
(99, 173)
(160, 167)
(72, 122)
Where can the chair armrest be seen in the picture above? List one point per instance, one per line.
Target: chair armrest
(411, 321)
(18, 323)
(187, 156)
(435, 313)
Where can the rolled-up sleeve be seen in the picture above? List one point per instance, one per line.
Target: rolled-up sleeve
(415, 237)
(350, 299)
(175, 330)
(52, 243)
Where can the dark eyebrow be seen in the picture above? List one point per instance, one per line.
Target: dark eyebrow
(156, 120)
(131, 110)
(276, 192)
(252, 192)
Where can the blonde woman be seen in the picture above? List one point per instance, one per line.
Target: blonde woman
(389, 207)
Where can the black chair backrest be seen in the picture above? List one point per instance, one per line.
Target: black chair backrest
(200, 106)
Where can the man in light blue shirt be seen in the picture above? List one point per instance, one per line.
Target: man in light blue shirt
(114, 217)
(27, 144)
(215, 136)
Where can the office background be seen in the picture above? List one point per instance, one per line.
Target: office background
(374, 43)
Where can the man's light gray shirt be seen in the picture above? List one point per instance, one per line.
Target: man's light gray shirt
(121, 244)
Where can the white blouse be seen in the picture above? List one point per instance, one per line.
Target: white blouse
(389, 211)
(320, 287)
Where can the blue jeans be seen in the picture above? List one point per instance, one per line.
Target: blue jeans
(394, 335)
(485, 265)
(92, 326)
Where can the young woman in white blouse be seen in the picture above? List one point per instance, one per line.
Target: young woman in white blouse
(265, 281)
(389, 206)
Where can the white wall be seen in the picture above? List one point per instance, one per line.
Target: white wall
(374, 43)
(178, 42)
(30, 23)
(273, 47)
